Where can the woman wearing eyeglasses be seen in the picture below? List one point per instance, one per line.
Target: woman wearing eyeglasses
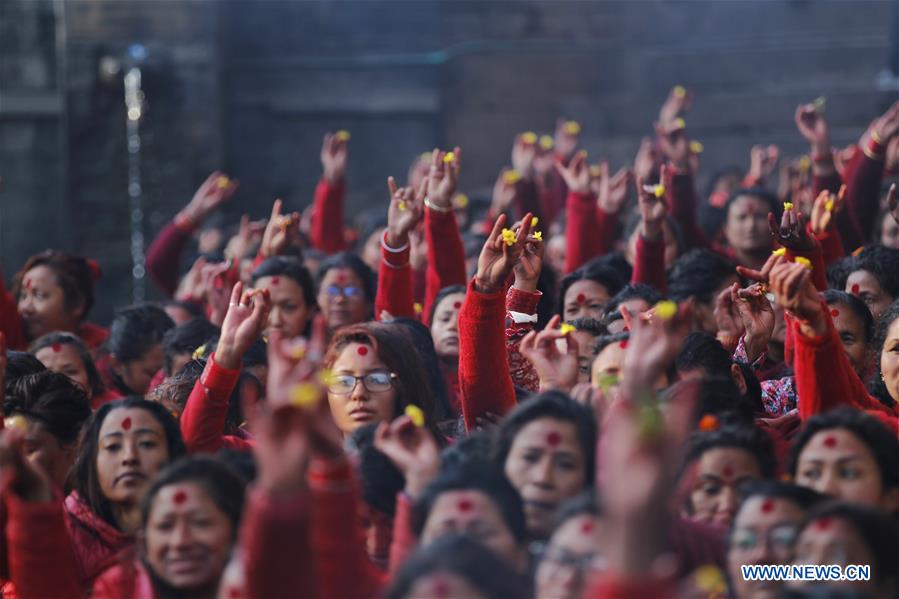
(346, 290)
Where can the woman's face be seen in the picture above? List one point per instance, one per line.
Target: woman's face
(852, 335)
(289, 313)
(764, 532)
(341, 298)
(865, 286)
(445, 327)
(585, 342)
(44, 450)
(360, 406)
(572, 556)
(889, 360)
(187, 538)
(42, 304)
(547, 465)
(837, 463)
(833, 541)
(138, 374)
(746, 228)
(606, 367)
(446, 585)
(65, 359)
(585, 299)
(131, 449)
(719, 472)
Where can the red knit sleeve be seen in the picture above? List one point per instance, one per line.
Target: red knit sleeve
(203, 419)
(611, 586)
(831, 183)
(394, 292)
(403, 541)
(816, 257)
(326, 233)
(649, 264)
(164, 255)
(42, 560)
(484, 381)
(583, 243)
(519, 306)
(831, 246)
(340, 560)
(10, 322)
(275, 546)
(863, 193)
(446, 256)
(682, 201)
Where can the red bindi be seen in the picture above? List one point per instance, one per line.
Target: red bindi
(457, 305)
(623, 344)
(581, 298)
(553, 438)
(856, 289)
(440, 589)
(180, 497)
(587, 527)
(465, 505)
(56, 347)
(234, 593)
(823, 523)
(834, 313)
(362, 351)
(727, 471)
(275, 280)
(830, 442)
(126, 424)
(767, 506)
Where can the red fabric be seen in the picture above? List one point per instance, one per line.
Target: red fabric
(697, 544)
(326, 231)
(104, 398)
(649, 264)
(681, 196)
(589, 231)
(163, 257)
(203, 419)
(552, 192)
(819, 271)
(340, 561)
(92, 334)
(611, 586)
(484, 380)
(276, 547)
(10, 322)
(394, 293)
(862, 196)
(128, 580)
(97, 543)
(831, 246)
(446, 256)
(521, 369)
(825, 379)
(403, 541)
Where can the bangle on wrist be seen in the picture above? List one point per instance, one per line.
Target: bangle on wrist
(431, 205)
(876, 137)
(873, 149)
(822, 157)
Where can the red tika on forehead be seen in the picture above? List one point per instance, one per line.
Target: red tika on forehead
(830, 442)
(553, 438)
(623, 344)
(823, 523)
(126, 424)
(465, 505)
(727, 471)
(180, 497)
(581, 298)
(767, 506)
(834, 313)
(56, 347)
(587, 527)
(457, 305)
(275, 280)
(362, 350)
(856, 289)
(440, 589)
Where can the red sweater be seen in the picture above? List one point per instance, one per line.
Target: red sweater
(163, 257)
(394, 294)
(484, 380)
(649, 264)
(326, 233)
(590, 231)
(446, 256)
(203, 419)
(864, 176)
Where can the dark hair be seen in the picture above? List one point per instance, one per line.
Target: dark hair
(603, 341)
(466, 558)
(555, 405)
(857, 306)
(804, 497)
(883, 264)
(86, 481)
(191, 308)
(883, 444)
(750, 439)
(719, 397)
(642, 291)
(596, 271)
(698, 273)
(877, 530)
(448, 290)
(354, 263)
(174, 390)
(399, 355)
(838, 271)
(472, 448)
(703, 351)
(235, 416)
(293, 269)
(381, 480)
(476, 476)
(19, 364)
(585, 504)
(421, 339)
(51, 399)
(60, 338)
(136, 329)
(589, 325)
(185, 339)
(877, 386)
(74, 274)
(756, 192)
(220, 482)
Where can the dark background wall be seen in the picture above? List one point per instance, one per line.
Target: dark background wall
(252, 85)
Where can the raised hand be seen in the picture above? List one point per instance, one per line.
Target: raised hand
(577, 174)
(244, 322)
(217, 280)
(674, 143)
(412, 449)
(762, 162)
(885, 126)
(500, 253)
(757, 315)
(209, 197)
(792, 285)
(611, 192)
(676, 104)
(813, 127)
(524, 153)
(761, 276)
(791, 233)
(727, 316)
(530, 262)
(653, 210)
(892, 203)
(334, 157)
(191, 289)
(504, 191)
(647, 160)
(17, 474)
(824, 208)
(248, 234)
(654, 343)
(281, 232)
(566, 137)
(405, 212)
(555, 368)
(443, 177)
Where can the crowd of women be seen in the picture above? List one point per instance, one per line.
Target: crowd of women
(590, 384)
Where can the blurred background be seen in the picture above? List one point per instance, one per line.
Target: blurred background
(251, 86)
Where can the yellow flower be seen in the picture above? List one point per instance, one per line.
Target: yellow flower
(805, 163)
(659, 191)
(534, 222)
(415, 415)
(18, 421)
(511, 177)
(529, 137)
(298, 352)
(546, 142)
(461, 200)
(572, 128)
(780, 252)
(199, 353)
(679, 91)
(304, 395)
(820, 103)
(710, 579)
(343, 135)
(223, 182)
(449, 157)
(538, 235)
(679, 123)
(509, 236)
(788, 206)
(696, 147)
(803, 261)
(606, 381)
(666, 309)
(325, 376)
(595, 171)
(566, 328)
(401, 206)
(417, 307)
(828, 205)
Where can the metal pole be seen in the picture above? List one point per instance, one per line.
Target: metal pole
(134, 105)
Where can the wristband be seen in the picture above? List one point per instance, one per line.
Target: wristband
(823, 157)
(873, 149)
(876, 137)
(437, 208)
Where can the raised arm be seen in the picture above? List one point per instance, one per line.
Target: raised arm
(394, 294)
(326, 232)
(649, 259)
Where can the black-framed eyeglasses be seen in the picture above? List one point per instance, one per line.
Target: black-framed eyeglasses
(779, 538)
(589, 562)
(374, 382)
(349, 292)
